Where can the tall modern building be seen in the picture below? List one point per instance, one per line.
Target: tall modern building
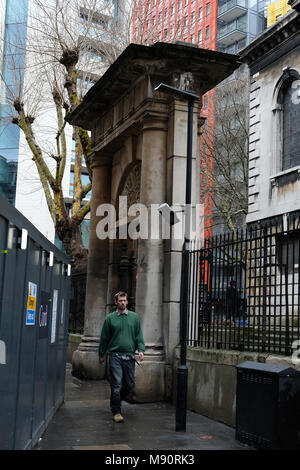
(276, 10)
(170, 20)
(19, 180)
(193, 21)
(13, 30)
(239, 22)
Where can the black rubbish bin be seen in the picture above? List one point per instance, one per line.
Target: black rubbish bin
(268, 406)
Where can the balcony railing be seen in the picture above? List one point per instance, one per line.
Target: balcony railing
(233, 31)
(233, 49)
(232, 9)
(232, 3)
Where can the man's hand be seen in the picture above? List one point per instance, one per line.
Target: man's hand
(101, 360)
(141, 356)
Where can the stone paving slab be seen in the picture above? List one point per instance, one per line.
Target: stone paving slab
(85, 422)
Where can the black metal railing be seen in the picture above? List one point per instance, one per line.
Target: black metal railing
(244, 289)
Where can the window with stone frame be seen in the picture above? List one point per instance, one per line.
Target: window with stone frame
(289, 101)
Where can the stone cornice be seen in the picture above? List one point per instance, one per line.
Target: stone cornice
(161, 59)
(295, 4)
(152, 110)
(272, 39)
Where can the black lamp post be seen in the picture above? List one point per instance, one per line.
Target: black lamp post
(182, 371)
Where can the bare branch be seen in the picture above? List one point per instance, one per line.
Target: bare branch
(224, 165)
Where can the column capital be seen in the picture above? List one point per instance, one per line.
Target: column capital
(155, 123)
(101, 159)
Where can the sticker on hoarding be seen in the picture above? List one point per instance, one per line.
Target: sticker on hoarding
(44, 315)
(54, 316)
(31, 304)
(62, 311)
(2, 352)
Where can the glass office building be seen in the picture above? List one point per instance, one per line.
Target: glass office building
(239, 22)
(12, 71)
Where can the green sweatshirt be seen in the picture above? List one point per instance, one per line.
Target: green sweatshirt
(121, 333)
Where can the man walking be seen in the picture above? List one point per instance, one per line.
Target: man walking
(121, 336)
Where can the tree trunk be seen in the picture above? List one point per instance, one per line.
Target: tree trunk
(70, 235)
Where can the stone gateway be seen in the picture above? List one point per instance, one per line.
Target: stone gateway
(139, 144)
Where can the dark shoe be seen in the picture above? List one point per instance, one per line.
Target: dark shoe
(118, 418)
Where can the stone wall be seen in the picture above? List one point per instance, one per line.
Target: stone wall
(212, 379)
(272, 192)
(73, 342)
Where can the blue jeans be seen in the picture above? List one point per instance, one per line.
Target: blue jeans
(121, 379)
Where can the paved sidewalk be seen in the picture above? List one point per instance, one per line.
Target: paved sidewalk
(85, 422)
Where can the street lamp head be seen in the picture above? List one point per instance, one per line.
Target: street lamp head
(181, 94)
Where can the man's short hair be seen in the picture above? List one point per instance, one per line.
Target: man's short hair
(120, 294)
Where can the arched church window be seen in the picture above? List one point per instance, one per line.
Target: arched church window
(289, 99)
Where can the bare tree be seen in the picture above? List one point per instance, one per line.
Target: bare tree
(70, 44)
(224, 163)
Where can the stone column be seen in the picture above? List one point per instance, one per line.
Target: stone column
(85, 360)
(176, 182)
(149, 284)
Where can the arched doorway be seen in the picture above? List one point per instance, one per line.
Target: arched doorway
(125, 251)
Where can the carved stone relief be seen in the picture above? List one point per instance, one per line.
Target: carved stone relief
(132, 185)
